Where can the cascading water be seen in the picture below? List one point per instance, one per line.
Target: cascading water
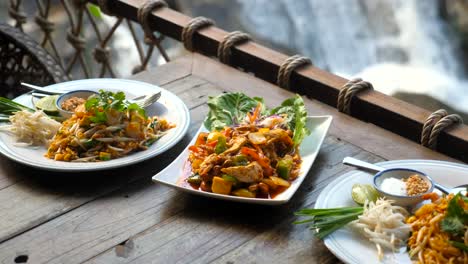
(399, 46)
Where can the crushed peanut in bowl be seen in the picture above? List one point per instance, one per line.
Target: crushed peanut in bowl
(415, 185)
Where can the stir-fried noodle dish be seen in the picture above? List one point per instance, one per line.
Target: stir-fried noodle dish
(105, 127)
(440, 231)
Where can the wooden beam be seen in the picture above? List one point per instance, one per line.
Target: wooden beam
(385, 111)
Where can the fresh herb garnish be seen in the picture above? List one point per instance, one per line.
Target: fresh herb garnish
(326, 221)
(8, 107)
(105, 101)
(459, 245)
(456, 217)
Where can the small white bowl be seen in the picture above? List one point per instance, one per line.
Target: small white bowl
(85, 94)
(400, 173)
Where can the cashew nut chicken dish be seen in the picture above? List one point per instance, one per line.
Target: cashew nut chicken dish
(250, 151)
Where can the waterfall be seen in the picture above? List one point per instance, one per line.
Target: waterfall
(399, 46)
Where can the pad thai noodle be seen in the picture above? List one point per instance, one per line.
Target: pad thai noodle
(105, 127)
(440, 231)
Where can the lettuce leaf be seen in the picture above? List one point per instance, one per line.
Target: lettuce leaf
(230, 109)
(296, 113)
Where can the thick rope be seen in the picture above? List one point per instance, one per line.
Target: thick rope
(77, 42)
(230, 40)
(143, 14)
(287, 67)
(19, 16)
(429, 125)
(193, 26)
(101, 54)
(441, 125)
(46, 26)
(348, 91)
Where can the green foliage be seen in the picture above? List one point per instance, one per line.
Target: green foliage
(229, 109)
(94, 10)
(232, 108)
(456, 218)
(296, 113)
(106, 101)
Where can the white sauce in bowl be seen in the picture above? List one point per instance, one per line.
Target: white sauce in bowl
(393, 186)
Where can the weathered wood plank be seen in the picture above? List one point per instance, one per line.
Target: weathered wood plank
(208, 230)
(43, 195)
(142, 207)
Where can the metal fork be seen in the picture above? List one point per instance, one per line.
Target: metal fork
(147, 100)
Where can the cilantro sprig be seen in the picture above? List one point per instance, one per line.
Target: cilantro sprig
(457, 217)
(105, 101)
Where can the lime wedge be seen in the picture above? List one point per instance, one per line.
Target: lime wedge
(47, 104)
(362, 192)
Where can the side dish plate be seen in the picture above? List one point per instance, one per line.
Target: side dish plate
(349, 246)
(309, 149)
(169, 106)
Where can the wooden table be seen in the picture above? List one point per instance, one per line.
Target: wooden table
(120, 216)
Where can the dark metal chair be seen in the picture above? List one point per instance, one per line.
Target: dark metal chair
(24, 60)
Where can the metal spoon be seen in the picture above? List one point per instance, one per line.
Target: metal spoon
(374, 168)
(42, 89)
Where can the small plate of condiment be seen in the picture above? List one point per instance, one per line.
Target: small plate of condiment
(404, 186)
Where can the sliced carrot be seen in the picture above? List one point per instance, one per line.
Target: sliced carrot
(201, 139)
(261, 159)
(196, 149)
(256, 113)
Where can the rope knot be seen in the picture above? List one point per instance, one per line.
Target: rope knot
(17, 15)
(436, 123)
(143, 17)
(348, 91)
(76, 41)
(287, 68)
(46, 25)
(193, 26)
(101, 54)
(230, 40)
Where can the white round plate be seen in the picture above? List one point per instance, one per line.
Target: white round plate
(353, 248)
(169, 107)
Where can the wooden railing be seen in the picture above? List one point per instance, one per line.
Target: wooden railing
(385, 111)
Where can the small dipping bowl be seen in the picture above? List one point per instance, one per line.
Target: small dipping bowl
(397, 173)
(85, 94)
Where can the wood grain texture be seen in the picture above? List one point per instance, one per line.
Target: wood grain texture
(207, 230)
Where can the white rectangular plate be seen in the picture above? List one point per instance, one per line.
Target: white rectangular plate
(309, 149)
